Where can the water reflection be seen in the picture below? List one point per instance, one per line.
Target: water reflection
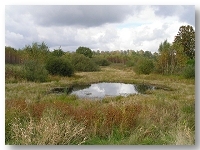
(100, 90)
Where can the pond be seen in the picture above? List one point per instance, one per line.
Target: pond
(101, 90)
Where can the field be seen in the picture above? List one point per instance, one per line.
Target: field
(165, 116)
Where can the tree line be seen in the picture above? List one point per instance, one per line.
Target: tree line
(172, 58)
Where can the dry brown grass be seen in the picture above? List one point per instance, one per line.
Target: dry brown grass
(49, 130)
(98, 119)
(184, 136)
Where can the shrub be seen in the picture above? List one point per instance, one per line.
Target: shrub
(189, 72)
(34, 71)
(189, 69)
(59, 66)
(191, 62)
(130, 63)
(13, 73)
(144, 66)
(101, 61)
(83, 63)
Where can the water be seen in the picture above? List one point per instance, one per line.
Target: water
(101, 90)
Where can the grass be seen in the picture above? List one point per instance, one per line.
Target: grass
(48, 130)
(161, 117)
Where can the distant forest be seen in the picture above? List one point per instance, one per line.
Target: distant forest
(172, 58)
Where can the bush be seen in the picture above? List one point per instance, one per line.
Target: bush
(59, 66)
(34, 71)
(83, 63)
(13, 73)
(191, 62)
(101, 61)
(130, 63)
(189, 70)
(144, 66)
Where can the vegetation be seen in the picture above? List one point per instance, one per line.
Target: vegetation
(34, 71)
(189, 70)
(83, 63)
(85, 51)
(36, 51)
(186, 38)
(35, 116)
(144, 66)
(58, 52)
(13, 73)
(101, 61)
(48, 130)
(159, 117)
(59, 66)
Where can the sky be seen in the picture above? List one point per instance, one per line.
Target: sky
(99, 27)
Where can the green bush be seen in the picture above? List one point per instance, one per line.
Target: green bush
(13, 73)
(189, 71)
(101, 61)
(83, 63)
(59, 66)
(191, 62)
(130, 63)
(144, 66)
(34, 71)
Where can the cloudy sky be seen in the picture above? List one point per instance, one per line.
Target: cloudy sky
(99, 27)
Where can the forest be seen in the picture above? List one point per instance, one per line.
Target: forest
(165, 116)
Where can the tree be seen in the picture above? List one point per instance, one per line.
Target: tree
(166, 58)
(12, 56)
(36, 51)
(186, 38)
(148, 54)
(171, 58)
(85, 51)
(164, 46)
(58, 52)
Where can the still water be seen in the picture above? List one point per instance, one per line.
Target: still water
(101, 90)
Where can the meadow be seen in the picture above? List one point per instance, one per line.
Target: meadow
(165, 116)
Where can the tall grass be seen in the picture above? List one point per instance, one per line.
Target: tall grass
(161, 117)
(50, 129)
(98, 120)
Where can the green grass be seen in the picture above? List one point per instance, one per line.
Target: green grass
(160, 117)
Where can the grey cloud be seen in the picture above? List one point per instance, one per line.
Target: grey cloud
(80, 15)
(165, 10)
(188, 15)
(59, 25)
(185, 13)
(19, 28)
